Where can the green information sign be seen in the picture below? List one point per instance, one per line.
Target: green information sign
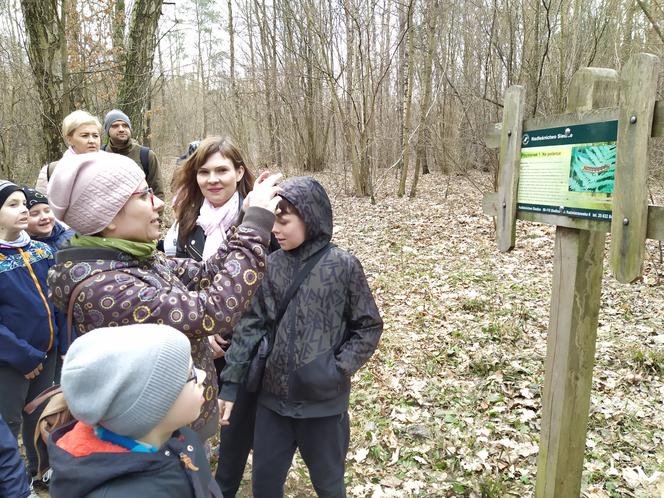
(569, 170)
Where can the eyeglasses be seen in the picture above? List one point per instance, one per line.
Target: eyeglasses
(146, 192)
(192, 376)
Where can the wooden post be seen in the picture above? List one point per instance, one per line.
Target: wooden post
(579, 250)
(570, 357)
(575, 302)
(508, 176)
(638, 90)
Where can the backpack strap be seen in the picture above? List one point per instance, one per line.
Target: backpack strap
(41, 397)
(299, 278)
(145, 159)
(78, 254)
(50, 169)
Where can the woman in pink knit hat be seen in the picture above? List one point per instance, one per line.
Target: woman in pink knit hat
(113, 275)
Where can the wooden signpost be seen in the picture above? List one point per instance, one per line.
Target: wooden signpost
(576, 205)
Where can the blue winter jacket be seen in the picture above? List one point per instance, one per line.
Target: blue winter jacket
(58, 238)
(13, 477)
(28, 321)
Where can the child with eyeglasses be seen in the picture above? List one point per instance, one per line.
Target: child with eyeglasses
(132, 390)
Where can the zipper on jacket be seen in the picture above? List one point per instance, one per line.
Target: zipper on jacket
(41, 294)
(191, 249)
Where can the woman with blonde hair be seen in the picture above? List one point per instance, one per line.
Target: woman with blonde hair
(81, 132)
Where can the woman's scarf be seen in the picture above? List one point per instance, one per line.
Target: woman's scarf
(22, 241)
(140, 250)
(69, 152)
(215, 222)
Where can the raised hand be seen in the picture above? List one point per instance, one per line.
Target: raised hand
(266, 192)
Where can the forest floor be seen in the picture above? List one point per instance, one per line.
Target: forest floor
(450, 403)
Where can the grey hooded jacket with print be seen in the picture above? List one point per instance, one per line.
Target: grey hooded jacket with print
(330, 328)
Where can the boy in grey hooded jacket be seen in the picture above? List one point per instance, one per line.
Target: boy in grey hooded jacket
(330, 328)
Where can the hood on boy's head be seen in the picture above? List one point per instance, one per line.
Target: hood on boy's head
(313, 204)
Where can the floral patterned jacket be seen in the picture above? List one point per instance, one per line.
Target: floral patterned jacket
(199, 299)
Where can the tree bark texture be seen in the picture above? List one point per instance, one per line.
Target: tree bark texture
(134, 92)
(44, 30)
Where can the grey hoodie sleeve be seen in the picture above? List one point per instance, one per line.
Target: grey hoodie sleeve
(365, 325)
(246, 335)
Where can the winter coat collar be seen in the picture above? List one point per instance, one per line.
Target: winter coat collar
(59, 235)
(82, 463)
(122, 149)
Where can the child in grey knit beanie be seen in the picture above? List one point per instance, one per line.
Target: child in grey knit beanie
(126, 379)
(132, 389)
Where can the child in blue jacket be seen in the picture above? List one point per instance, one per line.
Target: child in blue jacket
(13, 479)
(42, 225)
(28, 322)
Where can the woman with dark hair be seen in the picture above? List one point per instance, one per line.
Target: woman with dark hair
(211, 187)
(113, 275)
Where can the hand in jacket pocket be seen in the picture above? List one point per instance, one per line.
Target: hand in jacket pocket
(319, 380)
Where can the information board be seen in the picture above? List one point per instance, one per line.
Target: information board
(568, 170)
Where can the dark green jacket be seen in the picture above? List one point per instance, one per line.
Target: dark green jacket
(133, 151)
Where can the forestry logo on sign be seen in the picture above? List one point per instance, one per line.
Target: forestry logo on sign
(526, 139)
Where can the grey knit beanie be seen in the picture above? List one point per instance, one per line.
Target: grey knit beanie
(126, 378)
(114, 115)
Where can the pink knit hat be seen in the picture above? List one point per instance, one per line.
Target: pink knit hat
(86, 191)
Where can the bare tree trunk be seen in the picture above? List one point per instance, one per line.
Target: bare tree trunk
(235, 97)
(44, 29)
(407, 100)
(275, 86)
(148, 122)
(422, 132)
(134, 92)
(200, 68)
(626, 46)
(350, 65)
(119, 24)
(254, 78)
(269, 83)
